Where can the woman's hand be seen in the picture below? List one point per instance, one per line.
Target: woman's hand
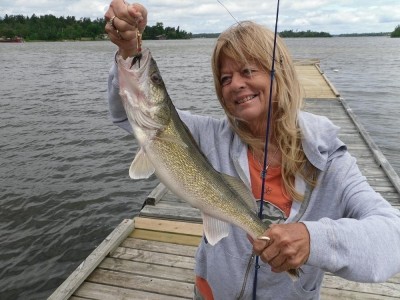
(288, 247)
(124, 23)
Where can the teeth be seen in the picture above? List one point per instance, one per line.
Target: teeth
(245, 99)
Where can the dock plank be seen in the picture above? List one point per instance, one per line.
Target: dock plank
(390, 289)
(148, 269)
(159, 246)
(334, 294)
(173, 238)
(163, 259)
(169, 226)
(90, 290)
(142, 283)
(314, 84)
(163, 211)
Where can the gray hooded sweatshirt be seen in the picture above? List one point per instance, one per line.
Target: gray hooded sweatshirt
(354, 232)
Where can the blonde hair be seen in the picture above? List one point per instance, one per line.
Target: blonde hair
(249, 41)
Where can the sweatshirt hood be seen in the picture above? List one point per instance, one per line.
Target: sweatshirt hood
(319, 139)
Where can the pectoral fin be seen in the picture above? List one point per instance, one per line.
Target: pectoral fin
(141, 166)
(214, 229)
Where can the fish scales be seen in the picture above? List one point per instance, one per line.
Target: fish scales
(197, 182)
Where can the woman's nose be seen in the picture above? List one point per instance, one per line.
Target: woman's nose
(238, 81)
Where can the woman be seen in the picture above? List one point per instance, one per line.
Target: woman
(329, 217)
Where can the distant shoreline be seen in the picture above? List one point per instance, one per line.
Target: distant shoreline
(194, 37)
(215, 35)
(363, 34)
(304, 34)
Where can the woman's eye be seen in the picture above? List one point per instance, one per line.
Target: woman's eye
(225, 80)
(248, 71)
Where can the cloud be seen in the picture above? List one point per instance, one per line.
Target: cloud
(306, 5)
(96, 8)
(339, 16)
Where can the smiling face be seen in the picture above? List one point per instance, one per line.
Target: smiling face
(241, 63)
(245, 92)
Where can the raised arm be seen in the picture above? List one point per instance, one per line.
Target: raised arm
(125, 24)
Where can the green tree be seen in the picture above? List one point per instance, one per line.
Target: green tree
(396, 32)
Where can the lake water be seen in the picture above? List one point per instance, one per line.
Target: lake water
(64, 166)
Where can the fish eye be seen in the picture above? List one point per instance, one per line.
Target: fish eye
(156, 78)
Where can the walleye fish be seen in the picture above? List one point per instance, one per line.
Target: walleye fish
(168, 149)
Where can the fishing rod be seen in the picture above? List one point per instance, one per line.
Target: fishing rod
(268, 125)
(267, 134)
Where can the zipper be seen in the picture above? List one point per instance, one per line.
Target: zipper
(246, 276)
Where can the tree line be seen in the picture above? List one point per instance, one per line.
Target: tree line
(396, 32)
(51, 28)
(308, 33)
(159, 32)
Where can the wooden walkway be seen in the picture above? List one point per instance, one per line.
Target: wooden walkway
(152, 256)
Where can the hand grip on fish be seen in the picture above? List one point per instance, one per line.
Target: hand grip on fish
(168, 149)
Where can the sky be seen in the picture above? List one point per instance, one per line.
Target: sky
(209, 16)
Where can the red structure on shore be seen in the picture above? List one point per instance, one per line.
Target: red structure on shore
(15, 39)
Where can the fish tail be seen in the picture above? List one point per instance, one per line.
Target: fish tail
(294, 274)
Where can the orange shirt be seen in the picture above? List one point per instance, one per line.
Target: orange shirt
(204, 288)
(273, 190)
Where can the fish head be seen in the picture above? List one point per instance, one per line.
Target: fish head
(143, 92)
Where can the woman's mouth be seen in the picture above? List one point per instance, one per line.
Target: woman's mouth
(246, 99)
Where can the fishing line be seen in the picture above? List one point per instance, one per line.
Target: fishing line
(239, 24)
(228, 11)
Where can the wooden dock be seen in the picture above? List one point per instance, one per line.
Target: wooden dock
(152, 256)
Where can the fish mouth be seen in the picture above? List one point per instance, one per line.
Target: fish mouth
(246, 99)
(141, 60)
(136, 63)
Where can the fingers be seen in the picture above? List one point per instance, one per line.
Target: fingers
(120, 29)
(124, 22)
(288, 247)
(131, 16)
(123, 39)
(121, 25)
(118, 8)
(272, 255)
(281, 259)
(260, 244)
(139, 14)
